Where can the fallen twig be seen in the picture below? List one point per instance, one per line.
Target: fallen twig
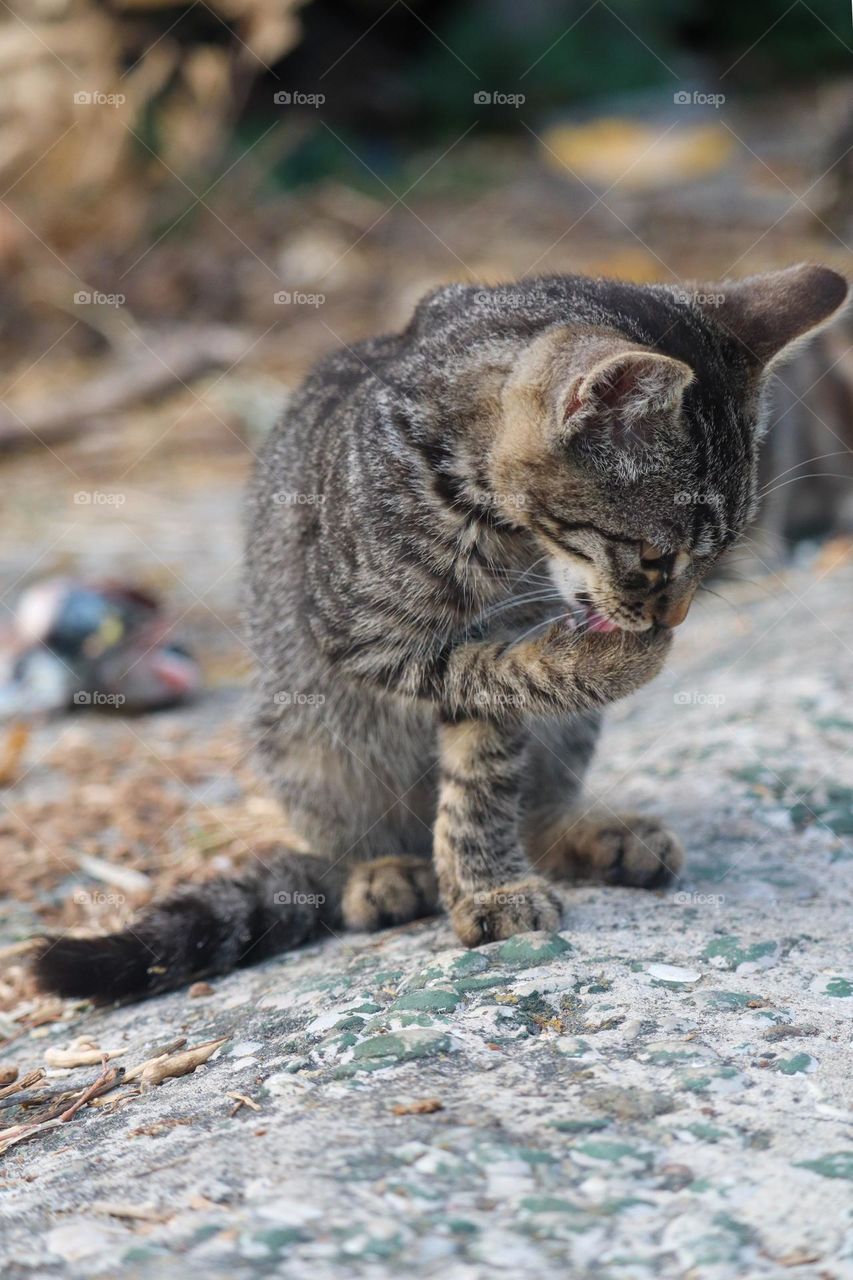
(25, 1082)
(23, 1132)
(418, 1107)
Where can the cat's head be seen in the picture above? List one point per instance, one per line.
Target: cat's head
(628, 447)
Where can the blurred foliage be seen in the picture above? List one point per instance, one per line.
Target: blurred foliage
(414, 76)
(117, 115)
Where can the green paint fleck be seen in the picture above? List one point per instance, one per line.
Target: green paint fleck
(696, 1084)
(463, 966)
(433, 1000)
(837, 1165)
(277, 1238)
(470, 962)
(729, 953)
(833, 722)
(800, 1064)
(840, 988)
(143, 1253)
(706, 1132)
(602, 1149)
(548, 1204)
(411, 1043)
(592, 1125)
(479, 983)
(733, 999)
(525, 950)
(662, 1056)
(623, 1203)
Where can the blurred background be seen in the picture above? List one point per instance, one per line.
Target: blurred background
(198, 199)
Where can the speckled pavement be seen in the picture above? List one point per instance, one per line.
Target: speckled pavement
(661, 1089)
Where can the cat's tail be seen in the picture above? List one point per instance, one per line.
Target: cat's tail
(204, 929)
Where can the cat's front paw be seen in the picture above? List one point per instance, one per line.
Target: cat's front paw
(491, 914)
(611, 664)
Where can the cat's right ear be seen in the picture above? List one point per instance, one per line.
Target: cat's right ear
(626, 396)
(768, 313)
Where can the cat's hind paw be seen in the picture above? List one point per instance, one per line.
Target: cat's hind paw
(614, 848)
(389, 891)
(637, 851)
(491, 914)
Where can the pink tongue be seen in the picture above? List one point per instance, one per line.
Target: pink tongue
(595, 622)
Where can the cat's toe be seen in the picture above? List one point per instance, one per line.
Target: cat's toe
(640, 852)
(492, 914)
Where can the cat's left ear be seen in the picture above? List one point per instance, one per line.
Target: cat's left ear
(768, 313)
(626, 395)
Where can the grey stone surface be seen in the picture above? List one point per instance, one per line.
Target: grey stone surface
(661, 1089)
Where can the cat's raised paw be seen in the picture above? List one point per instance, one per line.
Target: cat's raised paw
(491, 914)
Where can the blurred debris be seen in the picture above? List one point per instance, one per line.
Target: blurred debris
(637, 155)
(126, 878)
(100, 645)
(12, 748)
(23, 1132)
(95, 85)
(146, 368)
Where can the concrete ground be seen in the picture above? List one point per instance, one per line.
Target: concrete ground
(660, 1089)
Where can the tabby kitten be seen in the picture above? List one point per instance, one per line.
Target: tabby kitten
(464, 541)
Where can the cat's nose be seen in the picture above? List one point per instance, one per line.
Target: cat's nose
(671, 612)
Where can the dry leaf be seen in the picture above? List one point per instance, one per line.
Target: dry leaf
(134, 1073)
(201, 1203)
(80, 1056)
(418, 1107)
(242, 1101)
(799, 1258)
(142, 1212)
(12, 752)
(179, 1064)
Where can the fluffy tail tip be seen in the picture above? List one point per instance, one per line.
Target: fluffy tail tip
(102, 968)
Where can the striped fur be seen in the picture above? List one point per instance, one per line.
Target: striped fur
(440, 533)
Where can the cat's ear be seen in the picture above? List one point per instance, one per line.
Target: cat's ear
(769, 312)
(627, 394)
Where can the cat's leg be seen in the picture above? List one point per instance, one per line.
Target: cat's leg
(356, 780)
(570, 836)
(389, 891)
(485, 878)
